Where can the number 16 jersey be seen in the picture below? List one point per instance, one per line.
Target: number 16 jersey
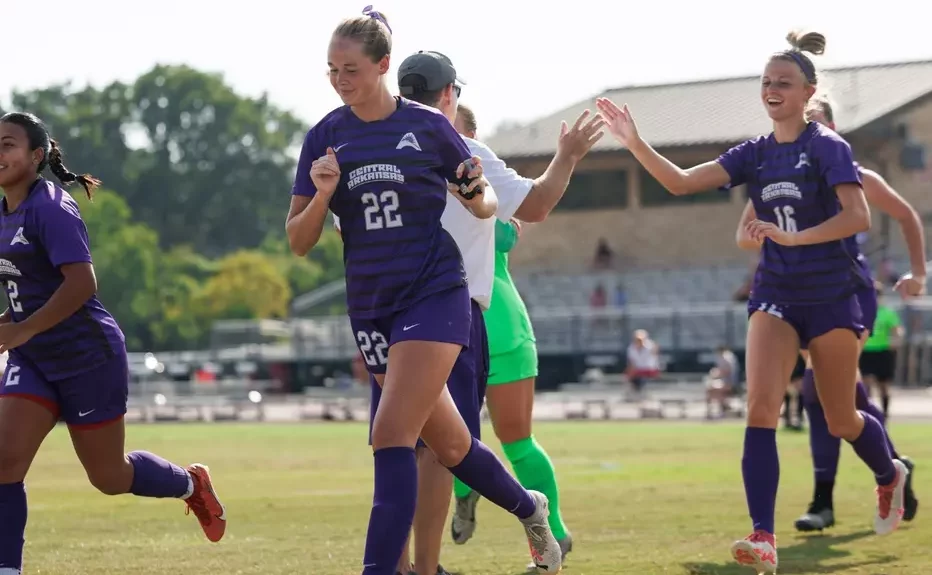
(792, 185)
(391, 195)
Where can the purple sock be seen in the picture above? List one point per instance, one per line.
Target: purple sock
(871, 447)
(825, 447)
(393, 501)
(12, 525)
(760, 468)
(156, 477)
(486, 475)
(863, 403)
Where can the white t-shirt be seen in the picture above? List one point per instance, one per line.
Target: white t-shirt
(727, 365)
(643, 358)
(475, 237)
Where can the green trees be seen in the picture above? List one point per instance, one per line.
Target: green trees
(189, 227)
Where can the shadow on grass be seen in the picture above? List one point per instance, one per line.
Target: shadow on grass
(806, 557)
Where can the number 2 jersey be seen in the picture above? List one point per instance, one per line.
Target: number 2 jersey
(391, 195)
(793, 185)
(44, 233)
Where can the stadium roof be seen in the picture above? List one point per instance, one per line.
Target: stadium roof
(727, 110)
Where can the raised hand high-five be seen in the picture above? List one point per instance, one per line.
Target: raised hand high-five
(619, 122)
(576, 142)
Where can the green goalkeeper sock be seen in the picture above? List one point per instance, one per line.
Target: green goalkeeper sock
(460, 489)
(534, 470)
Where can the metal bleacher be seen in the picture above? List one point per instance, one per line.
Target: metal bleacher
(543, 290)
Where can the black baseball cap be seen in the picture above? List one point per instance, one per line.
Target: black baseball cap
(426, 72)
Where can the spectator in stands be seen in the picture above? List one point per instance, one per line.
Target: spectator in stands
(604, 255)
(643, 360)
(598, 299)
(621, 297)
(722, 381)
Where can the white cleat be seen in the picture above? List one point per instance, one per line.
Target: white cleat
(545, 551)
(463, 524)
(890, 500)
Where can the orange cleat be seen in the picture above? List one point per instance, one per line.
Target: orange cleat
(205, 504)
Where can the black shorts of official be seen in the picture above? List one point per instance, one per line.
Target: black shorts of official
(879, 364)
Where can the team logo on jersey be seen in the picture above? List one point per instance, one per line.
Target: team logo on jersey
(375, 173)
(8, 269)
(779, 190)
(803, 160)
(408, 141)
(19, 238)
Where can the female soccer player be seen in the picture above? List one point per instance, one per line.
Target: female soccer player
(382, 164)
(67, 355)
(825, 448)
(513, 365)
(807, 194)
(510, 397)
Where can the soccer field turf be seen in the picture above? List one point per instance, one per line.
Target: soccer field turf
(640, 499)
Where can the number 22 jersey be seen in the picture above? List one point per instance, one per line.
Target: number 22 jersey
(793, 185)
(391, 195)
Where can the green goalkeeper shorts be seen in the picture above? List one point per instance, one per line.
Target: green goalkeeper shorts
(515, 365)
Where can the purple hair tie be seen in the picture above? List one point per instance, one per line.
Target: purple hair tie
(806, 67)
(375, 14)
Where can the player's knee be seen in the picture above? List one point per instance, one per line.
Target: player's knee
(453, 450)
(14, 463)
(512, 428)
(392, 434)
(843, 423)
(763, 411)
(110, 481)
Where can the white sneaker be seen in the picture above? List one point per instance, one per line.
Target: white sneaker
(545, 551)
(890, 501)
(463, 524)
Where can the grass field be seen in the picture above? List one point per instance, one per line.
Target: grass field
(641, 499)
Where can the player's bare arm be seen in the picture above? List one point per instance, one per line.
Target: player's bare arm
(572, 145)
(679, 182)
(879, 193)
(306, 216)
(78, 286)
(854, 218)
(742, 237)
(483, 204)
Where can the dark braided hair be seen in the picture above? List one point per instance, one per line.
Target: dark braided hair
(38, 136)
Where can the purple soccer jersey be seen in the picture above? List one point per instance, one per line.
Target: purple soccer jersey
(44, 233)
(793, 185)
(390, 197)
